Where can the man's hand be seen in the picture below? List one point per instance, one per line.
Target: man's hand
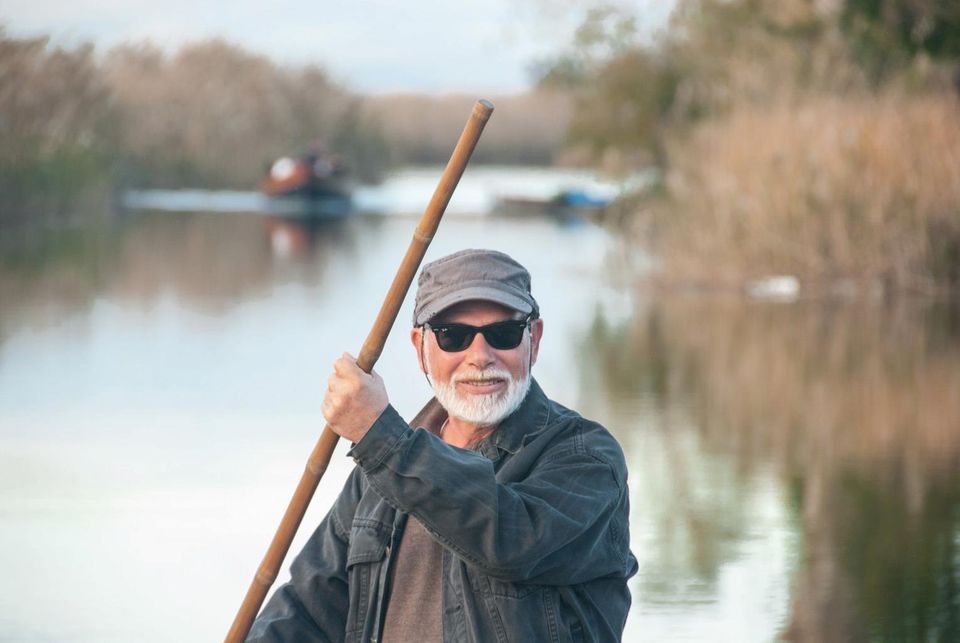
(354, 399)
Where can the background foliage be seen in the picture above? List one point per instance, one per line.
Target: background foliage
(76, 125)
(815, 138)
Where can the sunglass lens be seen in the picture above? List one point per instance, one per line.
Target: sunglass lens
(504, 336)
(454, 338)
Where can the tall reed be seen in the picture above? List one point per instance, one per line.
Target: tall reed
(842, 192)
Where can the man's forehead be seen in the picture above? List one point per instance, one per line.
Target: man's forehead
(472, 307)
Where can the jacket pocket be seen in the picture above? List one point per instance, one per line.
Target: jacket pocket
(368, 541)
(365, 554)
(529, 613)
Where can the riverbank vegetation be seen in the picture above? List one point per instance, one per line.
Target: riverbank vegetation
(419, 129)
(76, 125)
(814, 139)
(55, 134)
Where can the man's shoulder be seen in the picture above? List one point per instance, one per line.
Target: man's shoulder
(547, 433)
(585, 434)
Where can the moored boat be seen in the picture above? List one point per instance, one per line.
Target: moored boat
(312, 186)
(565, 204)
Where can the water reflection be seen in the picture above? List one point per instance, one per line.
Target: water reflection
(159, 392)
(201, 259)
(793, 468)
(854, 410)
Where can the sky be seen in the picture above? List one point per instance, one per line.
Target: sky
(371, 46)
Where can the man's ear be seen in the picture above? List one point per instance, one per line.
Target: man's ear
(416, 338)
(536, 332)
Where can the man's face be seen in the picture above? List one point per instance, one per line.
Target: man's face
(474, 383)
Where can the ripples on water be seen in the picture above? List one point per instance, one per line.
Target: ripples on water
(794, 467)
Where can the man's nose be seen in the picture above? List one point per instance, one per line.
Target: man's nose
(479, 353)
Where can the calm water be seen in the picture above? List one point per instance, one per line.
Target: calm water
(795, 468)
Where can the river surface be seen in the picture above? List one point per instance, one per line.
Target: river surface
(794, 467)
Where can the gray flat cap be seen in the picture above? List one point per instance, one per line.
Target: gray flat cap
(472, 274)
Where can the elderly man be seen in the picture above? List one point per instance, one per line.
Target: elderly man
(496, 515)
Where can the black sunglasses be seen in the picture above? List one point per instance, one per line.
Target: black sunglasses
(502, 335)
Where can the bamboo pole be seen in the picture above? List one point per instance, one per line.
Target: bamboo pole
(372, 347)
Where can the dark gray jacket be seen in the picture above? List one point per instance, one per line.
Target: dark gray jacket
(534, 526)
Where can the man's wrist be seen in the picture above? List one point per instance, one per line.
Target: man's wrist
(379, 440)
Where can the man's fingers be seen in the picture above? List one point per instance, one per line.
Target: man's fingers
(329, 410)
(341, 385)
(353, 399)
(347, 365)
(332, 407)
(346, 368)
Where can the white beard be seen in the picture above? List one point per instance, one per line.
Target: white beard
(482, 410)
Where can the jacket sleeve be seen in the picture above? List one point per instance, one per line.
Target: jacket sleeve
(564, 523)
(312, 606)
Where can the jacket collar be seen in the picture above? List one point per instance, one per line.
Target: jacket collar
(525, 422)
(521, 425)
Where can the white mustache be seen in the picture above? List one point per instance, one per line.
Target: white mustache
(482, 376)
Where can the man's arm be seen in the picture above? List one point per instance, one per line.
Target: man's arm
(312, 607)
(564, 523)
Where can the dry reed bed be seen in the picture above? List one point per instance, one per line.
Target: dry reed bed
(858, 191)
